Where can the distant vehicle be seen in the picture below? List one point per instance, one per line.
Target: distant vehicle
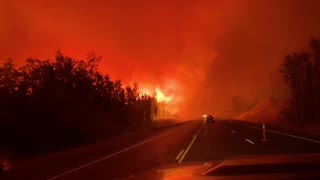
(210, 118)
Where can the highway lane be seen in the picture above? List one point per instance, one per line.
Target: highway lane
(216, 141)
(277, 141)
(226, 139)
(159, 149)
(197, 142)
(192, 142)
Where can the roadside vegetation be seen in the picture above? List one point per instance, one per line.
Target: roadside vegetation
(301, 72)
(51, 105)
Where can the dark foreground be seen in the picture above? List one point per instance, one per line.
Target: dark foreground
(194, 141)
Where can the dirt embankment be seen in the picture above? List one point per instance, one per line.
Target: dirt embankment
(271, 114)
(265, 112)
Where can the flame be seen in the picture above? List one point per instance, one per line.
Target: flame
(145, 92)
(158, 94)
(161, 97)
(168, 98)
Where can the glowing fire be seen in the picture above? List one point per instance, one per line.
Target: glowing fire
(145, 92)
(158, 94)
(168, 98)
(161, 97)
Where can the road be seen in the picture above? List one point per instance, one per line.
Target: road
(190, 142)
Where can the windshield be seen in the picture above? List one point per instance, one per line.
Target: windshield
(111, 89)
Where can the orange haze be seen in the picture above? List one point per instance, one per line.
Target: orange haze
(197, 53)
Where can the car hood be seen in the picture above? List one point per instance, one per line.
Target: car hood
(284, 166)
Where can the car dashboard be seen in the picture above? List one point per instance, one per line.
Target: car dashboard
(282, 167)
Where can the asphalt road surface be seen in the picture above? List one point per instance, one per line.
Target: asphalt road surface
(190, 142)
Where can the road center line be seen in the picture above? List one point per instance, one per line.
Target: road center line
(179, 154)
(250, 141)
(105, 157)
(187, 150)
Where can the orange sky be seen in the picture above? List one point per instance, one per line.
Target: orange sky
(203, 52)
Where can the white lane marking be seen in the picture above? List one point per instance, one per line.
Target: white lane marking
(284, 134)
(233, 131)
(250, 141)
(298, 137)
(105, 157)
(179, 154)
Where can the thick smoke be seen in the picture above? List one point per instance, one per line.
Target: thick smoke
(251, 50)
(199, 52)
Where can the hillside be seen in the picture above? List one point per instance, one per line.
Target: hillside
(270, 113)
(265, 112)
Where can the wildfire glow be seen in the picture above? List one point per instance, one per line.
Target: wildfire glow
(168, 97)
(145, 92)
(160, 96)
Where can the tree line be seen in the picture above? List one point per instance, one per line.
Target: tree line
(48, 105)
(301, 72)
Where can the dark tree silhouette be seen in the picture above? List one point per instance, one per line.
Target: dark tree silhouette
(292, 70)
(315, 84)
(47, 105)
(301, 72)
